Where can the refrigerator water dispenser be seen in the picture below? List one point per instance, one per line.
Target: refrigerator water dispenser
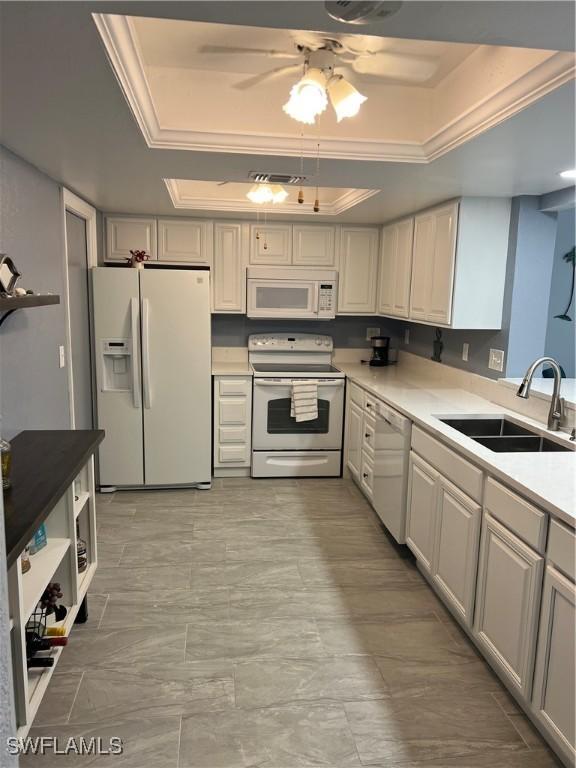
(117, 365)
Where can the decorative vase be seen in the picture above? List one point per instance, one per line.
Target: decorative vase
(138, 265)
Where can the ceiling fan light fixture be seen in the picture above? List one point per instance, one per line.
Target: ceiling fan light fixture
(308, 97)
(345, 99)
(266, 193)
(279, 194)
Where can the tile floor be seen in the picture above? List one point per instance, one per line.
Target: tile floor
(272, 624)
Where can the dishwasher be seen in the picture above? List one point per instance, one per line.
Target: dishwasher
(390, 474)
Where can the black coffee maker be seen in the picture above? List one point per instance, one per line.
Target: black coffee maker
(380, 347)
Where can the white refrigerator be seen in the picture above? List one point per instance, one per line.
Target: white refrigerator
(153, 375)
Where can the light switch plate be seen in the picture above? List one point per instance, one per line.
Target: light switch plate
(496, 360)
(61, 356)
(465, 350)
(372, 332)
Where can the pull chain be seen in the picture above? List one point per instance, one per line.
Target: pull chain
(317, 200)
(301, 192)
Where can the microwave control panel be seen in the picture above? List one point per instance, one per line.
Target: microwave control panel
(326, 299)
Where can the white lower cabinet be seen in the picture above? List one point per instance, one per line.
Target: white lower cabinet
(553, 698)
(421, 513)
(507, 603)
(354, 438)
(232, 425)
(455, 560)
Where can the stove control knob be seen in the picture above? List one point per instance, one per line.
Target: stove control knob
(319, 341)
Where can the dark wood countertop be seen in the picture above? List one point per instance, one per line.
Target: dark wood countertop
(44, 465)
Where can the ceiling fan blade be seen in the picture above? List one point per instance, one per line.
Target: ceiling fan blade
(250, 82)
(269, 53)
(416, 69)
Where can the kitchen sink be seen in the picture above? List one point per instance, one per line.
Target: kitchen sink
(501, 435)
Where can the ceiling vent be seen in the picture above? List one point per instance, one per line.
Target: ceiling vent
(275, 178)
(350, 12)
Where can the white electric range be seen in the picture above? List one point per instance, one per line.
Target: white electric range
(281, 446)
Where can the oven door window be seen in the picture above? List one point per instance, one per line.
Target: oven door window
(279, 421)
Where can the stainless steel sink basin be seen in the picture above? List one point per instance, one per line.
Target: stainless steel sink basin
(502, 435)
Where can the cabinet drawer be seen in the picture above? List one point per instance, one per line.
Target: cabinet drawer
(369, 435)
(232, 434)
(357, 395)
(518, 515)
(463, 474)
(233, 410)
(562, 548)
(228, 386)
(233, 454)
(367, 476)
(370, 404)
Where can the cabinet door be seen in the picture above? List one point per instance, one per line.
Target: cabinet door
(358, 271)
(421, 512)
(439, 306)
(403, 268)
(313, 245)
(229, 273)
(354, 450)
(456, 548)
(129, 234)
(553, 699)
(185, 240)
(387, 278)
(271, 244)
(422, 255)
(507, 603)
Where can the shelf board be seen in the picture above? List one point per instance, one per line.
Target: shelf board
(30, 300)
(80, 503)
(44, 565)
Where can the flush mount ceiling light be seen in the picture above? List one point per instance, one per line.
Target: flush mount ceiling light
(267, 193)
(571, 174)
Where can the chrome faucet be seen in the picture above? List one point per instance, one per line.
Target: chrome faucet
(556, 412)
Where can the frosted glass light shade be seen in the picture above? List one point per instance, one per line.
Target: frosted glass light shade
(345, 99)
(308, 97)
(266, 193)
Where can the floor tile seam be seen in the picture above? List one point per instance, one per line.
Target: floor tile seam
(510, 717)
(103, 611)
(75, 697)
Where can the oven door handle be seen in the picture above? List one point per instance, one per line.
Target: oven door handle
(288, 382)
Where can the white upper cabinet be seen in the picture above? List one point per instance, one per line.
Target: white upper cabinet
(459, 264)
(185, 240)
(271, 244)
(396, 269)
(124, 234)
(358, 270)
(229, 273)
(313, 245)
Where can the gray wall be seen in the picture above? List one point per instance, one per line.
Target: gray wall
(33, 388)
(560, 334)
(233, 330)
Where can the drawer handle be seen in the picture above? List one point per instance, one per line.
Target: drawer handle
(364, 474)
(368, 405)
(367, 435)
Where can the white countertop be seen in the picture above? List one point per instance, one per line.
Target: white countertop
(231, 368)
(548, 479)
(543, 388)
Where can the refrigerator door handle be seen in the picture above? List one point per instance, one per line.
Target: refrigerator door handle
(135, 329)
(146, 353)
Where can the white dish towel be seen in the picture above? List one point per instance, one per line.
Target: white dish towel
(304, 400)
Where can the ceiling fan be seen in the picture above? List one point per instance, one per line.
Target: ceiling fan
(329, 53)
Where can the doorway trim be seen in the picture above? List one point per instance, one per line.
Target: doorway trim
(82, 209)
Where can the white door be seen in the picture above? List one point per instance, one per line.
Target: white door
(507, 603)
(313, 245)
(129, 234)
(117, 320)
(229, 273)
(387, 278)
(422, 255)
(176, 376)
(354, 433)
(421, 513)
(403, 270)
(553, 698)
(358, 271)
(456, 548)
(271, 244)
(185, 240)
(439, 308)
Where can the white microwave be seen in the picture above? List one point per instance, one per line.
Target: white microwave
(291, 292)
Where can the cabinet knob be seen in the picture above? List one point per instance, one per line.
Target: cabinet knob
(367, 435)
(364, 474)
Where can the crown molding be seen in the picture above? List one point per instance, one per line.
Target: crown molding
(241, 205)
(121, 45)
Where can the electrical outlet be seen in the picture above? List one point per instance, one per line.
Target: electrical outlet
(407, 336)
(496, 360)
(372, 332)
(465, 350)
(61, 356)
